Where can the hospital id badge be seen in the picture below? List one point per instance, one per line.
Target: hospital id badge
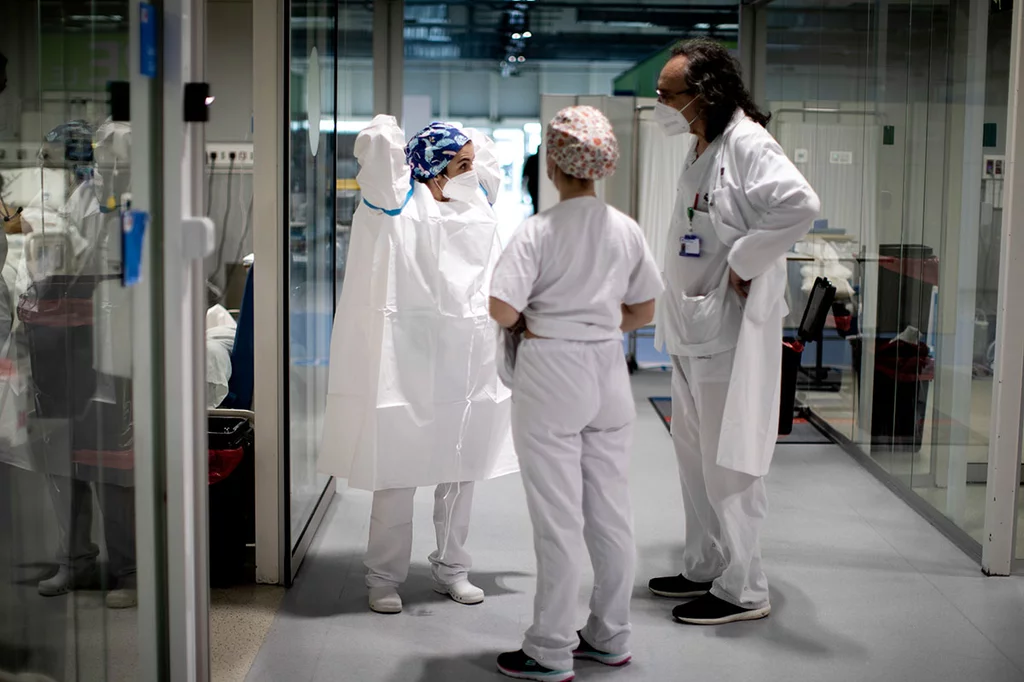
(689, 246)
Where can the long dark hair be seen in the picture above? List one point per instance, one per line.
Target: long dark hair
(715, 75)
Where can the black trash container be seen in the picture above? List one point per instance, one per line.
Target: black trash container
(906, 275)
(232, 523)
(899, 402)
(792, 351)
(819, 302)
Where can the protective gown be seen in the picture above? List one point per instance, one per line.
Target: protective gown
(414, 397)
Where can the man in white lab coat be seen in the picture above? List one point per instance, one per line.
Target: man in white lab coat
(741, 205)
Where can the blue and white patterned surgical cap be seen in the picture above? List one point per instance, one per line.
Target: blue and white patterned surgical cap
(431, 150)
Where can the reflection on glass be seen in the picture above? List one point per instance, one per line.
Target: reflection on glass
(312, 247)
(355, 110)
(67, 477)
(911, 241)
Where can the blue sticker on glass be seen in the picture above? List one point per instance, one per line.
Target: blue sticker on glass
(147, 40)
(133, 231)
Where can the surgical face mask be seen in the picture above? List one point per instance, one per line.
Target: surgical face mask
(673, 121)
(462, 187)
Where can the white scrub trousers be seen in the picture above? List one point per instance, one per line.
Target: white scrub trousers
(723, 509)
(390, 548)
(572, 421)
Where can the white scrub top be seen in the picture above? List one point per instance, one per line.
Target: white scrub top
(698, 314)
(570, 269)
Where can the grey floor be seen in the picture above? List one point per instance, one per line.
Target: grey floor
(863, 589)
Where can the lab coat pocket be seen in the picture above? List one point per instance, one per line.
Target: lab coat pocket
(726, 217)
(703, 316)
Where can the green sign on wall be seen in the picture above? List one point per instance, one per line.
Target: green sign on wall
(82, 62)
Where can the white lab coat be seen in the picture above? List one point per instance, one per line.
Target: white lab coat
(725, 404)
(760, 206)
(414, 397)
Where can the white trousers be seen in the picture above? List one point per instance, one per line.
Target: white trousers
(390, 548)
(572, 421)
(723, 509)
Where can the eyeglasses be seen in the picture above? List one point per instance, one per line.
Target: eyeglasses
(665, 96)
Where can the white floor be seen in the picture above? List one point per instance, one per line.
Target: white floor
(863, 590)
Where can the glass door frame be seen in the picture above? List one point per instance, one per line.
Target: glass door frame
(169, 348)
(278, 553)
(1005, 441)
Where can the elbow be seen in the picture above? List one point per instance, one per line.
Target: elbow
(642, 313)
(810, 214)
(647, 317)
(502, 313)
(812, 204)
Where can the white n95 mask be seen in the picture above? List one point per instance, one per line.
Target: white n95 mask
(462, 187)
(672, 121)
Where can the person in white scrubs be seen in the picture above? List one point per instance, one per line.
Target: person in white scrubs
(573, 279)
(414, 397)
(741, 206)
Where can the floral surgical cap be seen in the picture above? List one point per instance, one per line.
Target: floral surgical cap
(431, 150)
(581, 142)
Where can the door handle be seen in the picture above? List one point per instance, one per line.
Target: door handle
(198, 237)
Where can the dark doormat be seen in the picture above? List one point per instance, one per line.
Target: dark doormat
(804, 433)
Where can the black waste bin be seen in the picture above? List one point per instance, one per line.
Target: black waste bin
(792, 351)
(232, 522)
(819, 302)
(899, 401)
(906, 275)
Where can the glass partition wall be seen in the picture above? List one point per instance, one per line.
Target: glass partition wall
(330, 100)
(102, 552)
(68, 593)
(312, 156)
(897, 114)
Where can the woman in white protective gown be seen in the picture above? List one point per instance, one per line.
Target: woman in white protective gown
(414, 397)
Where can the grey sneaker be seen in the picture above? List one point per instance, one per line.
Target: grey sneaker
(126, 596)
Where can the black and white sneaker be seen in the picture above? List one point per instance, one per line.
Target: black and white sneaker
(518, 665)
(710, 610)
(588, 653)
(678, 587)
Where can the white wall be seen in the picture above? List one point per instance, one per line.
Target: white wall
(229, 54)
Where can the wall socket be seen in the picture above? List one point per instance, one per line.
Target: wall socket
(243, 152)
(15, 154)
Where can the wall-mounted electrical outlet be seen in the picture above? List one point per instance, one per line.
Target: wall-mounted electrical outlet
(18, 154)
(219, 154)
